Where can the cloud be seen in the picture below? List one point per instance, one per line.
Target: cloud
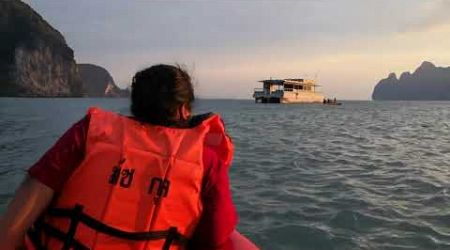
(435, 14)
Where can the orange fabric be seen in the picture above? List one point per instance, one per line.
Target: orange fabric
(139, 178)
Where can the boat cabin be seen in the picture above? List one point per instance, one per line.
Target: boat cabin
(288, 91)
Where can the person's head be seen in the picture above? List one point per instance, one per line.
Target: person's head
(162, 94)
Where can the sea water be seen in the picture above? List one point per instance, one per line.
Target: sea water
(364, 175)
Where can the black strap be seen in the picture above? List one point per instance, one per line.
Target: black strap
(103, 228)
(170, 238)
(34, 236)
(77, 216)
(60, 235)
(75, 219)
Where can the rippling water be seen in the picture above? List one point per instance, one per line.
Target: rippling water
(364, 175)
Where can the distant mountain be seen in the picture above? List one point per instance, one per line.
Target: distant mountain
(97, 82)
(428, 82)
(34, 57)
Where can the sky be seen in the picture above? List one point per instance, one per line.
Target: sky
(227, 46)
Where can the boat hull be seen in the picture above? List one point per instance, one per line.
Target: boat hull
(302, 97)
(299, 97)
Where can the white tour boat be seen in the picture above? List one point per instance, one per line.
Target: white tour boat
(288, 91)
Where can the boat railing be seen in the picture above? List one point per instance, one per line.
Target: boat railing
(301, 90)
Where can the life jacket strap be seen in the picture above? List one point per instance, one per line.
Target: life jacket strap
(76, 216)
(55, 233)
(34, 234)
(75, 219)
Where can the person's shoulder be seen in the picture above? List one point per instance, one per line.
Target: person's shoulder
(198, 119)
(82, 124)
(210, 153)
(86, 118)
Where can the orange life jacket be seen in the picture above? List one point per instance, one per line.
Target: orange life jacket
(138, 186)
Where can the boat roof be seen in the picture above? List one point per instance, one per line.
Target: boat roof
(275, 81)
(289, 80)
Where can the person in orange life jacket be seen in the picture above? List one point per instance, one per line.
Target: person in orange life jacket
(156, 180)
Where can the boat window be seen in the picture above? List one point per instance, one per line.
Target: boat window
(288, 87)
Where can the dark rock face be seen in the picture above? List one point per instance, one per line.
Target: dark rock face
(34, 57)
(98, 82)
(428, 82)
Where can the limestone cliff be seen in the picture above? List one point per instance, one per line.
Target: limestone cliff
(98, 82)
(427, 82)
(34, 57)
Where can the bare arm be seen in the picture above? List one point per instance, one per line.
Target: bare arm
(46, 175)
(30, 200)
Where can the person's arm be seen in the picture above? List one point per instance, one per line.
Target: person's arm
(219, 217)
(45, 178)
(30, 200)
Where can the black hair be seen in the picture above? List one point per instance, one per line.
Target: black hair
(157, 93)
